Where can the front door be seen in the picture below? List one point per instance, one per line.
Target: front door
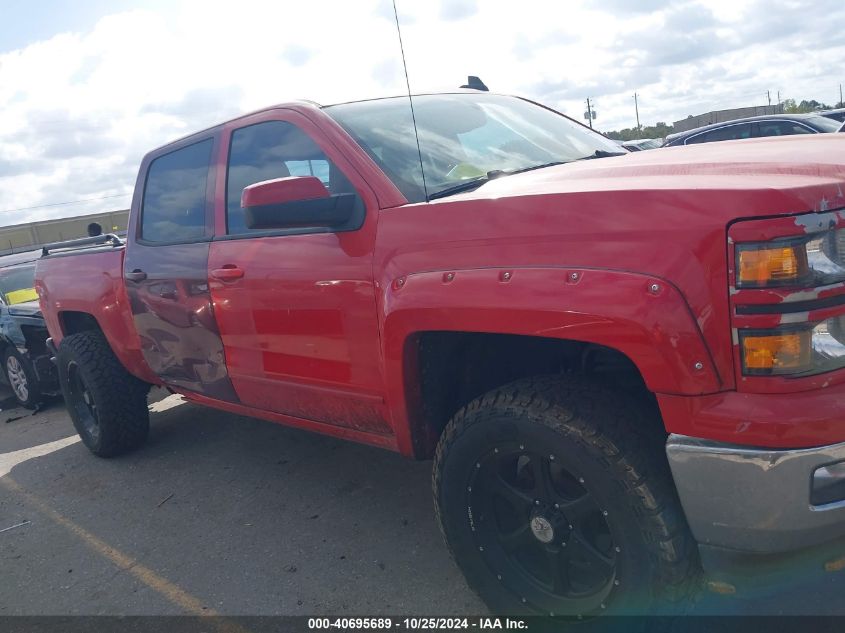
(166, 266)
(296, 308)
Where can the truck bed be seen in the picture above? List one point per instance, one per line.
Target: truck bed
(73, 283)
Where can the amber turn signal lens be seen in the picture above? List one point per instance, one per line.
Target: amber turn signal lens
(772, 266)
(778, 353)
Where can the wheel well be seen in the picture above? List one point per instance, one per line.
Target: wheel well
(454, 368)
(74, 322)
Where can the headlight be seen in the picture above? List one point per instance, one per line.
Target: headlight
(826, 257)
(797, 350)
(816, 260)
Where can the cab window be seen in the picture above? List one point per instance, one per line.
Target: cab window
(269, 150)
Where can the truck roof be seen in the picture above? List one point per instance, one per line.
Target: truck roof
(306, 105)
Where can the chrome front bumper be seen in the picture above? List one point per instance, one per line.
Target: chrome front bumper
(755, 500)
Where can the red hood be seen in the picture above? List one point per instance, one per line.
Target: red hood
(797, 172)
(661, 212)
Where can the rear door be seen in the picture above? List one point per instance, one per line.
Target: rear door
(296, 307)
(166, 265)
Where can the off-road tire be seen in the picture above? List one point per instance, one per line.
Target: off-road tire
(107, 404)
(33, 389)
(600, 436)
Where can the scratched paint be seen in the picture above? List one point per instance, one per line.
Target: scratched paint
(813, 223)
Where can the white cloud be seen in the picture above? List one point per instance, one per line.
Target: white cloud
(80, 109)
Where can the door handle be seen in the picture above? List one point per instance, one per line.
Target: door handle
(136, 275)
(229, 272)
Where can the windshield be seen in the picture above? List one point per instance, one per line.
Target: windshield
(463, 137)
(16, 284)
(825, 124)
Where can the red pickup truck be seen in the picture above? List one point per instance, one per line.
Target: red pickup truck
(614, 361)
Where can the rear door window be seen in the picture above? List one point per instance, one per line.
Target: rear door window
(729, 133)
(781, 128)
(174, 195)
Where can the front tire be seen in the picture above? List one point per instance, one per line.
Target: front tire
(552, 502)
(107, 404)
(22, 379)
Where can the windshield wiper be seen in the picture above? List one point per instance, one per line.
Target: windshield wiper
(467, 185)
(533, 167)
(600, 153)
(475, 183)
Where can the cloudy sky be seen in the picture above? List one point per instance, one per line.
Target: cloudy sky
(87, 86)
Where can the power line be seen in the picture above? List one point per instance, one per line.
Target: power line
(60, 204)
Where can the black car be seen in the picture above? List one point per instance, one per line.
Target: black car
(755, 127)
(26, 362)
(837, 115)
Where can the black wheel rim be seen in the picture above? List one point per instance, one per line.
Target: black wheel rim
(82, 402)
(541, 532)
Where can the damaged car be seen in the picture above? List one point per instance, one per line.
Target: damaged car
(27, 368)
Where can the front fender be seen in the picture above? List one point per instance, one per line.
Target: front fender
(644, 317)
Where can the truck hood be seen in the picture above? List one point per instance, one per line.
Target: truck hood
(797, 174)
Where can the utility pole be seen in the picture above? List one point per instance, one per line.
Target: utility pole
(841, 102)
(637, 110)
(769, 97)
(589, 113)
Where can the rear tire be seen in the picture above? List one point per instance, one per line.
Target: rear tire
(22, 379)
(551, 502)
(107, 404)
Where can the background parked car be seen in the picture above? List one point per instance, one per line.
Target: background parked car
(26, 362)
(639, 144)
(755, 127)
(837, 114)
